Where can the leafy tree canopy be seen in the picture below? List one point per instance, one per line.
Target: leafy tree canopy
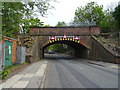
(19, 16)
(60, 24)
(61, 48)
(116, 15)
(91, 12)
(26, 23)
(107, 23)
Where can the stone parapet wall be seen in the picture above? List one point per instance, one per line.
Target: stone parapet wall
(64, 30)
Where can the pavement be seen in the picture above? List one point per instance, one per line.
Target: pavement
(104, 64)
(31, 77)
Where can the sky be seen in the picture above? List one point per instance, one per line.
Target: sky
(65, 9)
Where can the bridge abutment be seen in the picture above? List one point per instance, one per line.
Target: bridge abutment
(100, 53)
(36, 49)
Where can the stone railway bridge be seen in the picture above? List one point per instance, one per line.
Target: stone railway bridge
(79, 38)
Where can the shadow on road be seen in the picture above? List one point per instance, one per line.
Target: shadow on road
(57, 56)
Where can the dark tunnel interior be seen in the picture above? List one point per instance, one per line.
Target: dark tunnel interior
(80, 51)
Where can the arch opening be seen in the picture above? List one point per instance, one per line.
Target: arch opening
(75, 49)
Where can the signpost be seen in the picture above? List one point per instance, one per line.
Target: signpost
(64, 37)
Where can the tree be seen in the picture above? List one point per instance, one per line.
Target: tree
(61, 48)
(14, 12)
(92, 12)
(60, 24)
(47, 25)
(26, 23)
(116, 15)
(107, 23)
(11, 18)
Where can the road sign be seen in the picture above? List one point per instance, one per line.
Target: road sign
(64, 37)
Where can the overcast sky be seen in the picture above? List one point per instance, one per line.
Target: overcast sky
(65, 9)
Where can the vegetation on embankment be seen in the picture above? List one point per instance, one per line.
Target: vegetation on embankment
(110, 43)
(11, 69)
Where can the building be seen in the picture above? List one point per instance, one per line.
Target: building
(7, 51)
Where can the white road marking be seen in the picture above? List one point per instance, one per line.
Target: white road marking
(20, 84)
(43, 66)
(11, 81)
(29, 75)
(14, 82)
(17, 76)
(40, 73)
(9, 84)
(114, 67)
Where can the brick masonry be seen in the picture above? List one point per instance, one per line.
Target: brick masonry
(64, 30)
(86, 48)
(41, 35)
(82, 32)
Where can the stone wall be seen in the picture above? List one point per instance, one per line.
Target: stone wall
(98, 52)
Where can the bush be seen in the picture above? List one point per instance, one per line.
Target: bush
(4, 73)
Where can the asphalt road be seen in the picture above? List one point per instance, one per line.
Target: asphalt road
(65, 72)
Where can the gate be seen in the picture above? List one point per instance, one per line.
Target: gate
(8, 53)
(21, 53)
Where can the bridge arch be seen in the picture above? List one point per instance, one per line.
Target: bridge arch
(80, 50)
